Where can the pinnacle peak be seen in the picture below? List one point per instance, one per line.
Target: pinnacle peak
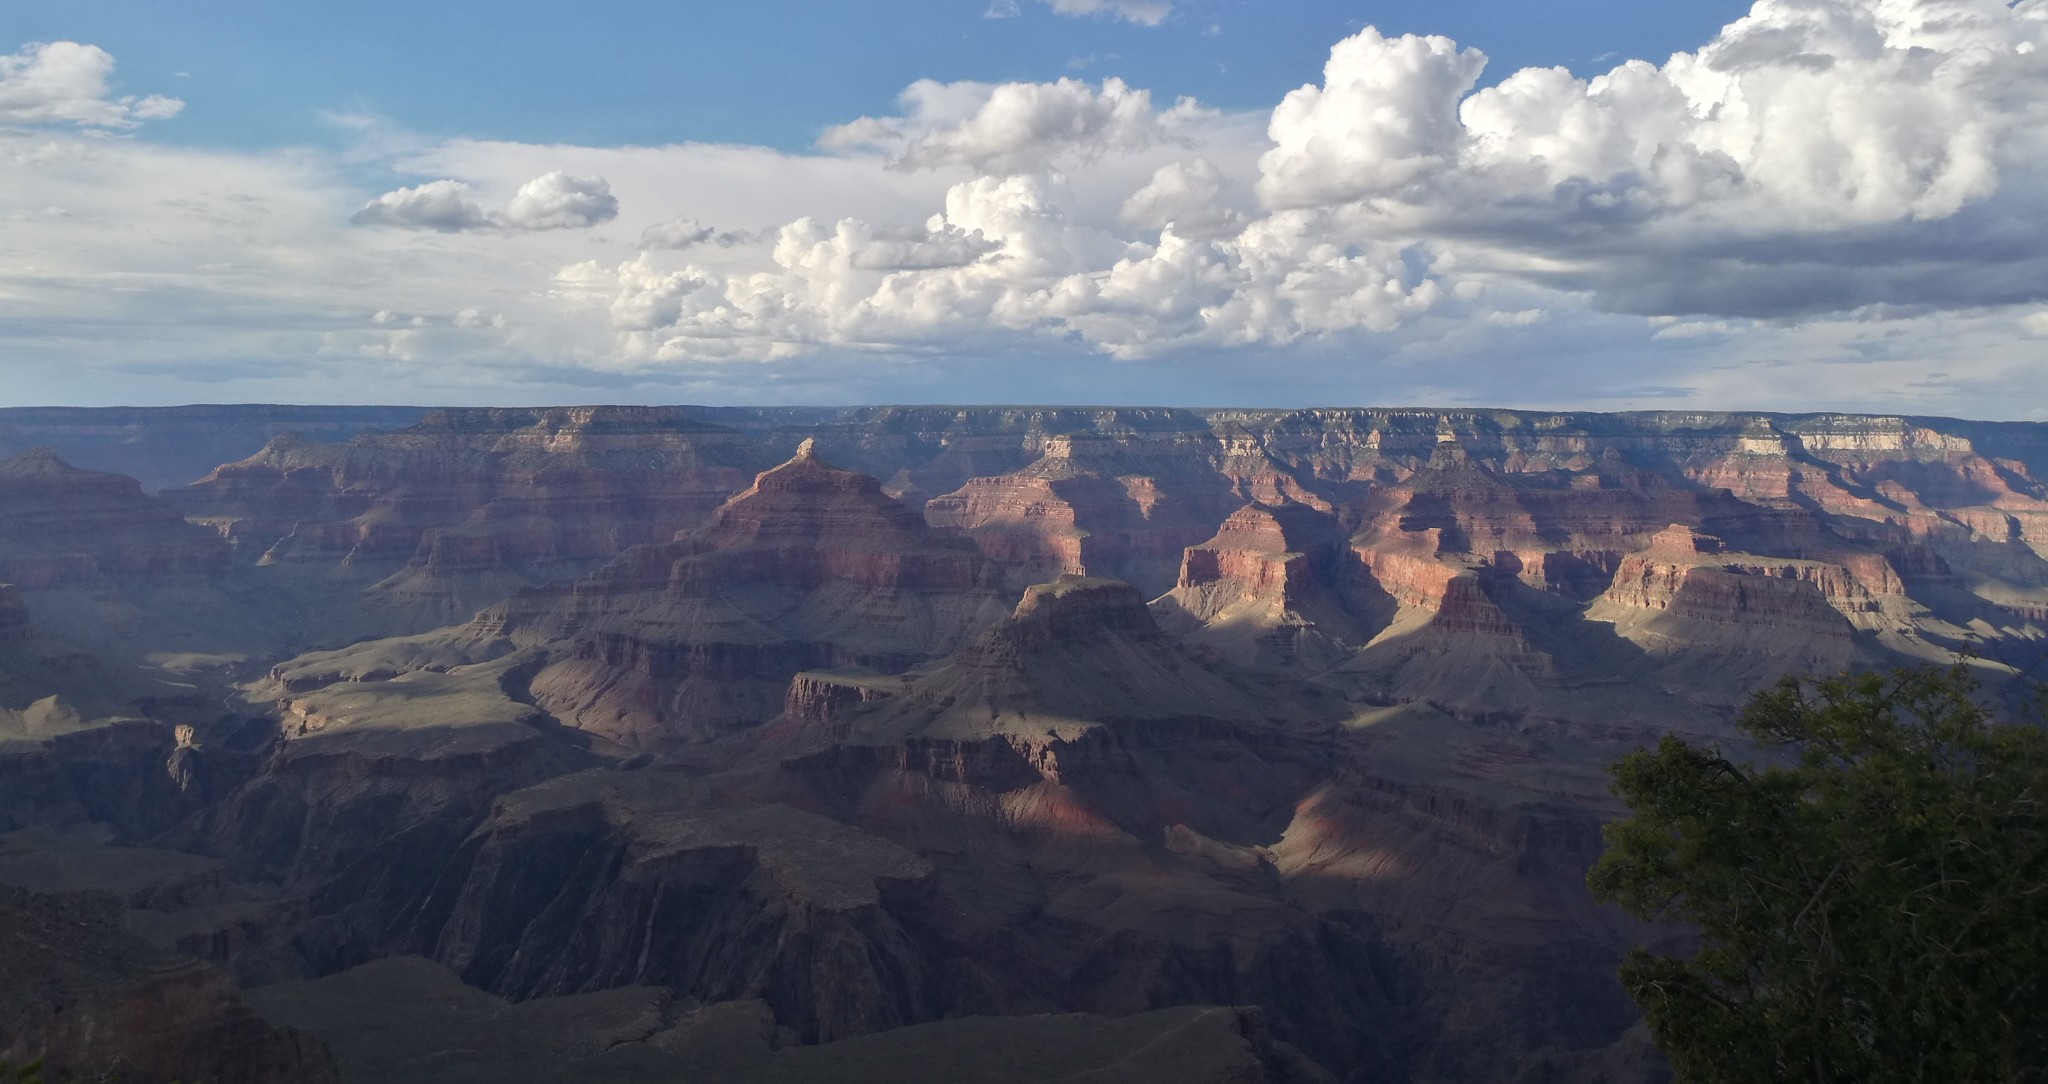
(41, 459)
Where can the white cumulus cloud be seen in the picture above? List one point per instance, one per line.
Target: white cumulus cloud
(552, 201)
(1015, 127)
(1384, 119)
(444, 206)
(1816, 155)
(559, 201)
(1187, 196)
(1007, 261)
(65, 82)
(1823, 200)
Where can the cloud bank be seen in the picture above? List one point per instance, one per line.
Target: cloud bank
(1826, 187)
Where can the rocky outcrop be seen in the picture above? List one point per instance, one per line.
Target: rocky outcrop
(455, 512)
(821, 704)
(610, 879)
(1718, 623)
(61, 526)
(811, 568)
(1276, 588)
(1076, 653)
(1005, 832)
(1095, 505)
(1473, 872)
(59, 768)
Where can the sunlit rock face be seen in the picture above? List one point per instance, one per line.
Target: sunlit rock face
(1096, 505)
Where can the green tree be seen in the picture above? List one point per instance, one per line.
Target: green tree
(1872, 905)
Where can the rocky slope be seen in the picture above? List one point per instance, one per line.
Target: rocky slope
(86, 997)
(61, 526)
(1029, 727)
(1276, 588)
(810, 567)
(1098, 504)
(441, 518)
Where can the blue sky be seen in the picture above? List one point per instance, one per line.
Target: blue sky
(1801, 204)
(772, 72)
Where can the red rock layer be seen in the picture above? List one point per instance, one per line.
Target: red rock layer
(1862, 587)
(1779, 603)
(823, 700)
(1277, 588)
(1468, 654)
(1715, 624)
(1095, 506)
(1257, 552)
(812, 567)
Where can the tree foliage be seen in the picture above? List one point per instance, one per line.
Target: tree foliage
(1873, 906)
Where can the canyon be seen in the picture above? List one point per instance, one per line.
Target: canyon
(910, 743)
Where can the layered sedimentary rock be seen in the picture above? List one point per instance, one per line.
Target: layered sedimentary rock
(1036, 773)
(464, 507)
(812, 567)
(107, 596)
(774, 779)
(371, 789)
(922, 452)
(1556, 500)
(1720, 622)
(1277, 587)
(1077, 651)
(609, 878)
(1096, 505)
(1492, 557)
(61, 526)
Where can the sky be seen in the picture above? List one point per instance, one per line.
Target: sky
(1796, 205)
